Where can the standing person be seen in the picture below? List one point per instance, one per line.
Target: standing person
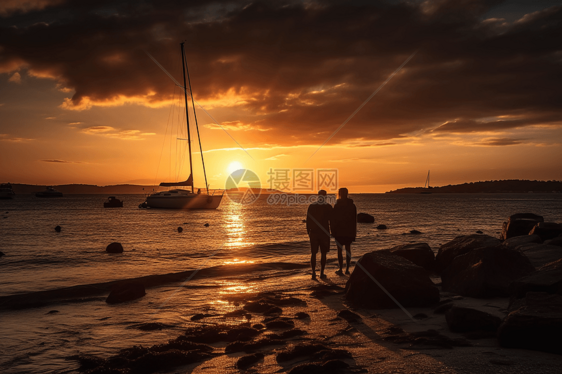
(344, 227)
(318, 229)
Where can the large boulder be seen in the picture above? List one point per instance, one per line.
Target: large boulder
(546, 230)
(126, 292)
(556, 241)
(485, 272)
(541, 254)
(114, 248)
(418, 253)
(516, 241)
(408, 283)
(461, 319)
(519, 224)
(365, 218)
(547, 279)
(537, 325)
(461, 245)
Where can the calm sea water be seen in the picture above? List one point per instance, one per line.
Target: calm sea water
(38, 258)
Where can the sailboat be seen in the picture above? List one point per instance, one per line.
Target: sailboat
(179, 198)
(426, 186)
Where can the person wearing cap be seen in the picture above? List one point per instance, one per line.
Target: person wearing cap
(318, 229)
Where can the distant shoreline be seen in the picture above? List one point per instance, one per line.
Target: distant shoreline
(500, 186)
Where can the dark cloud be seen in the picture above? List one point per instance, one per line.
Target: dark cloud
(299, 69)
(502, 142)
(60, 161)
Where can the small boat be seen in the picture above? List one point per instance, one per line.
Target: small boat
(183, 198)
(426, 186)
(6, 191)
(113, 202)
(49, 192)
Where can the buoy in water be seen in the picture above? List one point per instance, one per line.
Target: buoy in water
(180, 229)
(206, 225)
(58, 229)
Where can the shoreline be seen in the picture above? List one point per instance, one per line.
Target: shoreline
(364, 338)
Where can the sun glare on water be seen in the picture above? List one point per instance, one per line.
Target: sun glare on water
(234, 165)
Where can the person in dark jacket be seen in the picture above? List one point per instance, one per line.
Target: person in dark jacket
(344, 227)
(318, 229)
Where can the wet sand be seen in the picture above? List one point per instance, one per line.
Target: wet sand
(365, 338)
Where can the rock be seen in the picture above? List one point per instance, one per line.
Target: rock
(206, 225)
(210, 334)
(418, 253)
(547, 279)
(58, 229)
(516, 241)
(537, 325)
(467, 319)
(302, 315)
(381, 227)
(556, 241)
(415, 232)
(52, 311)
(305, 349)
(519, 224)
(547, 230)
(180, 229)
(405, 281)
(280, 324)
(245, 362)
(442, 309)
(479, 232)
(252, 346)
(485, 272)
(258, 326)
(461, 245)
(2, 254)
(365, 218)
(349, 316)
(199, 316)
(273, 310)
(258, 306)
(540, 254)
(114, 248)
(126, 292)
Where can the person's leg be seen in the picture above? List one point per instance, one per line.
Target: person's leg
(313, 250)
(340, 255)
(347, 257)
(322, 263)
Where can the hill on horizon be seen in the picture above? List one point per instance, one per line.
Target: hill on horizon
(495, 186)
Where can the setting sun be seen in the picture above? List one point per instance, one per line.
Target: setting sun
(234, 165)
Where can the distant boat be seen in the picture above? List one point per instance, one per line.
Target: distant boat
(182, 198)
(426, 186)
(49, 192)
(113, 202)
(6, 191)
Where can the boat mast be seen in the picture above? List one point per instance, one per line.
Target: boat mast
(197, 127)
(187, 116)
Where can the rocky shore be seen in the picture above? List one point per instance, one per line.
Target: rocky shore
(482, 304)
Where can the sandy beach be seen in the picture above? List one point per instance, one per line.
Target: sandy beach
(364, 338)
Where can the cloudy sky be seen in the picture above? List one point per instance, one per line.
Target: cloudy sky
(478, 97)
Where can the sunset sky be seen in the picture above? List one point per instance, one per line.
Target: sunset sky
(480, 99)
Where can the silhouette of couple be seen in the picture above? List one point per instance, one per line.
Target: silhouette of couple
(341, 220)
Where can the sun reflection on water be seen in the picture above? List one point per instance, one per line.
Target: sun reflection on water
(236, 230)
